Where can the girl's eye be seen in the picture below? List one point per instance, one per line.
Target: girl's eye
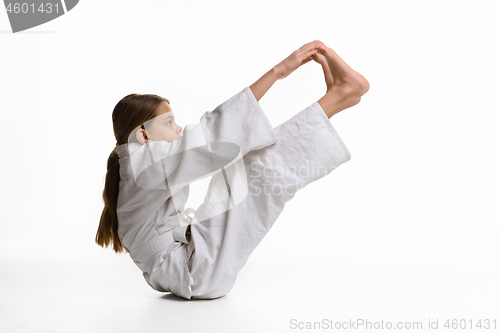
(170, 122)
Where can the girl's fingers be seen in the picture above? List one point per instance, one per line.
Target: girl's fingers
(316, 58)
(309, 53)
(311, 48)
(319, 46)
(314, 43)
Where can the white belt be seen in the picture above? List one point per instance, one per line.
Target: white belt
(143, 253)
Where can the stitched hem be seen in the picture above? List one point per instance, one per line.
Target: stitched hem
(329, 126)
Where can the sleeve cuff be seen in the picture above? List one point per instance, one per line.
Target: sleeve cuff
(337, 146)
(269, 130)
(239, 120)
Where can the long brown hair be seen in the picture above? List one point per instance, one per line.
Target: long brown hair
(131, 112)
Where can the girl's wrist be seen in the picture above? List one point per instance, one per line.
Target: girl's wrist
(277, 72)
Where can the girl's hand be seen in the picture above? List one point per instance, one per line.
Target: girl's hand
(297, 59)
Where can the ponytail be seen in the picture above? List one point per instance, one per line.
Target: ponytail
(107, 232)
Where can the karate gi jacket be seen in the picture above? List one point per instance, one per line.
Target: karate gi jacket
(154, 184)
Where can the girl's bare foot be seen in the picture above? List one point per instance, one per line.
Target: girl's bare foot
(350, 104)
(348, 85)
(343, 74)
(320, 59)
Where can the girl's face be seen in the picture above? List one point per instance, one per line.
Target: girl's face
(161, 127)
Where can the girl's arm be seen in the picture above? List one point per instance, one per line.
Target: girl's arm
(284, 68)
(262, 85)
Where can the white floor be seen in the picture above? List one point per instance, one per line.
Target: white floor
(94, 290)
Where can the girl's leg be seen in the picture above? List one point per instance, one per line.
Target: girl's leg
(308, 148)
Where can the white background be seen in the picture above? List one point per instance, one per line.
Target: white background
(407, 230)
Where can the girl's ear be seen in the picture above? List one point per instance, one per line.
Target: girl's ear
(141, 136)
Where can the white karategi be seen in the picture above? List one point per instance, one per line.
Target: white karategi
(255, 170)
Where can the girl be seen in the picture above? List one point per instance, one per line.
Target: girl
(255, 170)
